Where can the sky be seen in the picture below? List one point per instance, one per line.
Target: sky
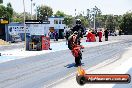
(116, 7)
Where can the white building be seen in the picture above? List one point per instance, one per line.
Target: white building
(57, 24)
(41, 28)
(14, 30)
(38, 27)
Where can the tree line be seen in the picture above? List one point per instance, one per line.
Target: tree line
(111, 22)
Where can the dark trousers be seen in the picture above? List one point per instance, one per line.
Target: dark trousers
(56, 38)
(100, 39)
(106, 38)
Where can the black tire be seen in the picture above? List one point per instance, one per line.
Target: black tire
(78, 61)
(80, 80)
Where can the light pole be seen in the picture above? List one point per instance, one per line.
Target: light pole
(24, 23)
(31, 9)
(75, 12)
(36, 8)
(88, 17)
(94, 13)
(34, 5)
(36, 12)
(94, 21)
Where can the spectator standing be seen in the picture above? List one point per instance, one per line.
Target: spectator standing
(54, 33)
(89, 36)
(119, 32)
(100, 35)
(67, 36)
(106, 33)
(56, 36)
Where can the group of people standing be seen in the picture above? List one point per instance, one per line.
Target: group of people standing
(92, 34)
(54, 35)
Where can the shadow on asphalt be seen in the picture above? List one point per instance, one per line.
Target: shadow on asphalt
(128, 85)
(72, 65)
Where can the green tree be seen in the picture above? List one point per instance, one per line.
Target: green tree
(84, 20)
(59, 14)
(1, 1)
(126, 23)
(18, 17)
(44, 12)
(17, 20)
(27, 15)
(6, 11)
(98, 17)
(9, 10)
(68, 20)
(110, 23)
(2, 11)
(117, 19)
(103, 21)
(99, 22)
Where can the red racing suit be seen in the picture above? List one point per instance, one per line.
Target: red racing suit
(76, 50)
(75, 47)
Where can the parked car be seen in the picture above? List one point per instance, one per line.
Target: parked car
(113, 34)
(16, 38)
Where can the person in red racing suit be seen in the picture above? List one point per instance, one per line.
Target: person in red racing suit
(76, 48)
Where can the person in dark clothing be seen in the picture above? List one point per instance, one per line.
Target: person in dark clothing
(67, 36)
(74, 41)
(93, 32)
(119, 32)
(96, 33)
(106, 34)
(100, 35)
(79, 28)
(56, 36)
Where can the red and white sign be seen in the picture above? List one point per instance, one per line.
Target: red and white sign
(45, 43)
